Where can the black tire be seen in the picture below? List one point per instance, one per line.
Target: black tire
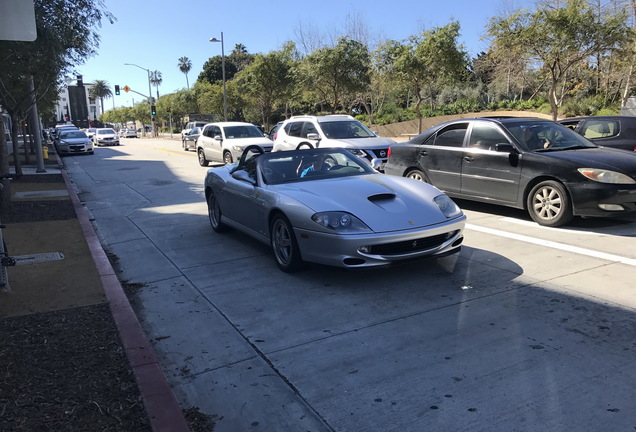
(284, 245)
(214, 214)
(227, 157)
(304, 146)
(549, 204)
(418, 175)
(202, 160)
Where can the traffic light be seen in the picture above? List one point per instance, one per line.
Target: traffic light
(153, 110)
(117, 90)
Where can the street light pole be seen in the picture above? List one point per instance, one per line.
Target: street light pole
(223, 72)
(152, 117)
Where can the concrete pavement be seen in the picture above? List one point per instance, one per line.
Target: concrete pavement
(83, 277)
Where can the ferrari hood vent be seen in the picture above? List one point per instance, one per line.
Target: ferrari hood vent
(381, 197)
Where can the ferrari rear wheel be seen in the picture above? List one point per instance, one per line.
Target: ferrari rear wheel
(214, 214)
(284, 245)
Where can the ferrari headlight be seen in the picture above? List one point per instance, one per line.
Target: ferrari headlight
(606, 176)
(340, 222)
(447, 206)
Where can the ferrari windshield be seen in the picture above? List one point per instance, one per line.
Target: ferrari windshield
(310, 164)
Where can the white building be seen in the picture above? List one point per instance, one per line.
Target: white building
(76, 105)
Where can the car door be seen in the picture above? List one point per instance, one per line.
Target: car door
(244, 201)
(441, 157)
(202, 141)
(215, 146)
(489, 169)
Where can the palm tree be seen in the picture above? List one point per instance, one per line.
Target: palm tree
(100, 90)
(184, 66)
(156, 80)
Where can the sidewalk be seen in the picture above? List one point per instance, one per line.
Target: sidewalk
(47, 216)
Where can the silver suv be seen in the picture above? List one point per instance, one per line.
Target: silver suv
(333, 131)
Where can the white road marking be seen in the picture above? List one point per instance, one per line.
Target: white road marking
(554, 245)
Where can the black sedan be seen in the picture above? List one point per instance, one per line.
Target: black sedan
(527, 163)
(607, 131)
(189, 141)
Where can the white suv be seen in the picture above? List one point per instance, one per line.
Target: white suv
(333, 131)
(225, 141)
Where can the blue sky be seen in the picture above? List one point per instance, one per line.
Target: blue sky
(154, 35)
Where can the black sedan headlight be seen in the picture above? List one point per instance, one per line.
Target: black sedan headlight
(341, 222)
(606, 176)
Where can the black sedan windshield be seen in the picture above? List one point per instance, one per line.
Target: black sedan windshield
(546, 136)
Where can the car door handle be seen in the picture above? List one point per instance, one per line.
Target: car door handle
(423, 153)
(468, 158)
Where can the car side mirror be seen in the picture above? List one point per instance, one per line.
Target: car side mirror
(313, 136)
(504, 148)
(218, 138)
(242, 175)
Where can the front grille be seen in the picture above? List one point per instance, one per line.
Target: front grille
(410, 246)
(380, 153)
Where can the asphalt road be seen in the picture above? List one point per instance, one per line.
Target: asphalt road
(528, 329)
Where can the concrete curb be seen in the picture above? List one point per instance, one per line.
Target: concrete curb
(162, 408)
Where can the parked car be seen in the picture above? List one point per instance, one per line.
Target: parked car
(607, 131)
(90, 132)
(189, 141)
(188, 127)
(272, 131)
(333, 131)
(226, 141)
(348, 215)
(128, 133)
(533, 164)
(105, 136)
(59, 129)
(73, 141)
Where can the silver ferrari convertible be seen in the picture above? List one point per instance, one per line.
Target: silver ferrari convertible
(327, 206)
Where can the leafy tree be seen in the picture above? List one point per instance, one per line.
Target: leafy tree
(266, 83)
(213, 70)
(557, 38)
(185, 65)
(336, 75)
(29, 70)
(100, 90)
(428, 62)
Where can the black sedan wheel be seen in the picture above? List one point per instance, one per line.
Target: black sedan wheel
(202, 160)
(214, 214)
(417, 175)
(284, 245)
(549, 204)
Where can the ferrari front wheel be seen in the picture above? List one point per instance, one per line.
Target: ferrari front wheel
(284, 245)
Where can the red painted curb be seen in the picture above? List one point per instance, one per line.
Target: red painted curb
(162, 408)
